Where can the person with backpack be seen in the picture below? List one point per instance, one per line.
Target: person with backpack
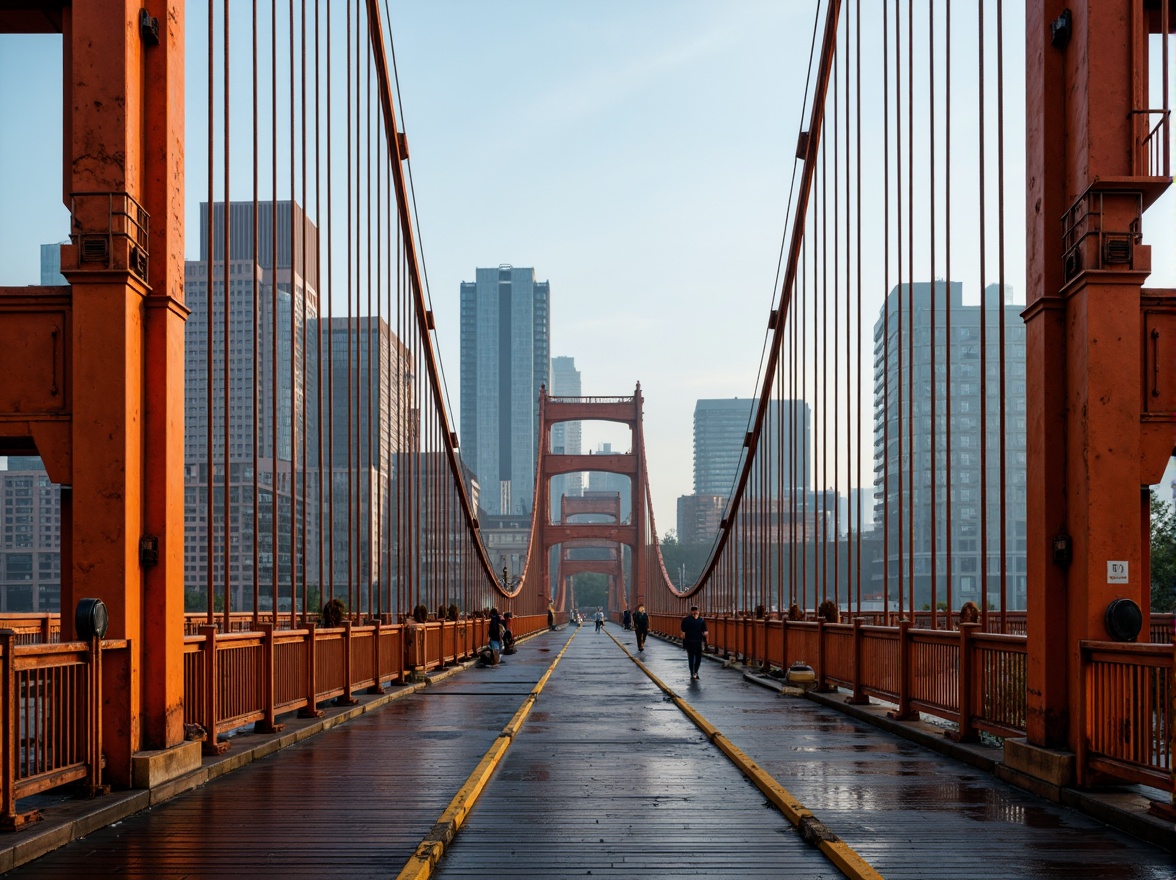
(496, 630)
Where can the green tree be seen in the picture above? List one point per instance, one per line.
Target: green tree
(1163, 555)
(591, 589)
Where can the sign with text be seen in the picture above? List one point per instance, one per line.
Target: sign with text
(1117, 572)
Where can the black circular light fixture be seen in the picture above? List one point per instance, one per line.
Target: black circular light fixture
(1124, 620)
(91, 619)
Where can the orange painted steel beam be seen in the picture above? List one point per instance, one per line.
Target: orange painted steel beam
(597, 503)
(1089, 452)
(546, 534)
(123, 184)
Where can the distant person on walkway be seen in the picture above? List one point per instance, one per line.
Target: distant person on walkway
(599, 620)
(550, 617)
(694, 639)
(641, 626)
(627, 620)
(496, 629)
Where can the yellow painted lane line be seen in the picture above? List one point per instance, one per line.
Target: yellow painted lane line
(428, 853)
(848, 862)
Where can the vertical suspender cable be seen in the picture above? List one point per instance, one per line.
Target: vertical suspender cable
(271, 268)
(910, 396)
(210, 290)
(307, 279)
(322, 289)
(983, 347)
(934, 340)
(1002, 466)
(885, 366)
(858, 292)
(227, 394)
(295, 413)
(330, 324)
(255, 344)
(948, 335)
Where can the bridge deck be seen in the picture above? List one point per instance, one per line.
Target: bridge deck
(607, 778)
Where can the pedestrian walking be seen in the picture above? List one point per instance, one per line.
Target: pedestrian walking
(495, 634)
(694, 639)
(641, 626)
(627, 620)
(599, 620)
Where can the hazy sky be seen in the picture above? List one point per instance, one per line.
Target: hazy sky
(637, 154)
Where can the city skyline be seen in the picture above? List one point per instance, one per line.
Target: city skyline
(488, 198)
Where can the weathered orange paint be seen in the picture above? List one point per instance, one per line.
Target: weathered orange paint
(124, 149)
(1088, 449)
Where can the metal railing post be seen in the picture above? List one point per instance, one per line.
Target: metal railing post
(966, 684)
(858, 698)
(345, 698)
(904, 671)
(212, 746)
(11, 819)
(377, 685)
(94, 721)
(821, 686)
(269, 662)
(311, 709)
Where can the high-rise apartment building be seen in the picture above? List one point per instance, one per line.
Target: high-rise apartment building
(720, 427)
(565, 436)
(30, 545)
(505, 361)
(272, 351)
(958, 470)
(370, 418)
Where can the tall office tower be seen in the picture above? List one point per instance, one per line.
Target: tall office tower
(720, 427)
(272, 349)
(961, 349)
(505, 361)
(30, 546)
(370, 419)
(51, 264)
(565, 436)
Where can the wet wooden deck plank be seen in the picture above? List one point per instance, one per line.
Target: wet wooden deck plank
(607, 779)
(353, 802)
(910, 812)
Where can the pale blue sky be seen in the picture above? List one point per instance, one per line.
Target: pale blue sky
(637, 154)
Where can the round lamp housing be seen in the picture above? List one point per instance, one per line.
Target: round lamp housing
(1124, 620)
(91, 619)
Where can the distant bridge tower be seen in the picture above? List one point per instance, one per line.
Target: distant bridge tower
(547, 534)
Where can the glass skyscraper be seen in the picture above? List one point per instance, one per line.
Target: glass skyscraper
(958, 472)
(505, 361)
(565, 436)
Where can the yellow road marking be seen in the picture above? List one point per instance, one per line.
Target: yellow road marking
(842, 855)
(428, 853)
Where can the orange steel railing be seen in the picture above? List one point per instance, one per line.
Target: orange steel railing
(32, 628)
(973, 678)
(239, 678)
(1128, 713)
(52, 717)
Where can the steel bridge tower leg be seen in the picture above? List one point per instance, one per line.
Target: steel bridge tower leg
(124, 185)
(1090, 447)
